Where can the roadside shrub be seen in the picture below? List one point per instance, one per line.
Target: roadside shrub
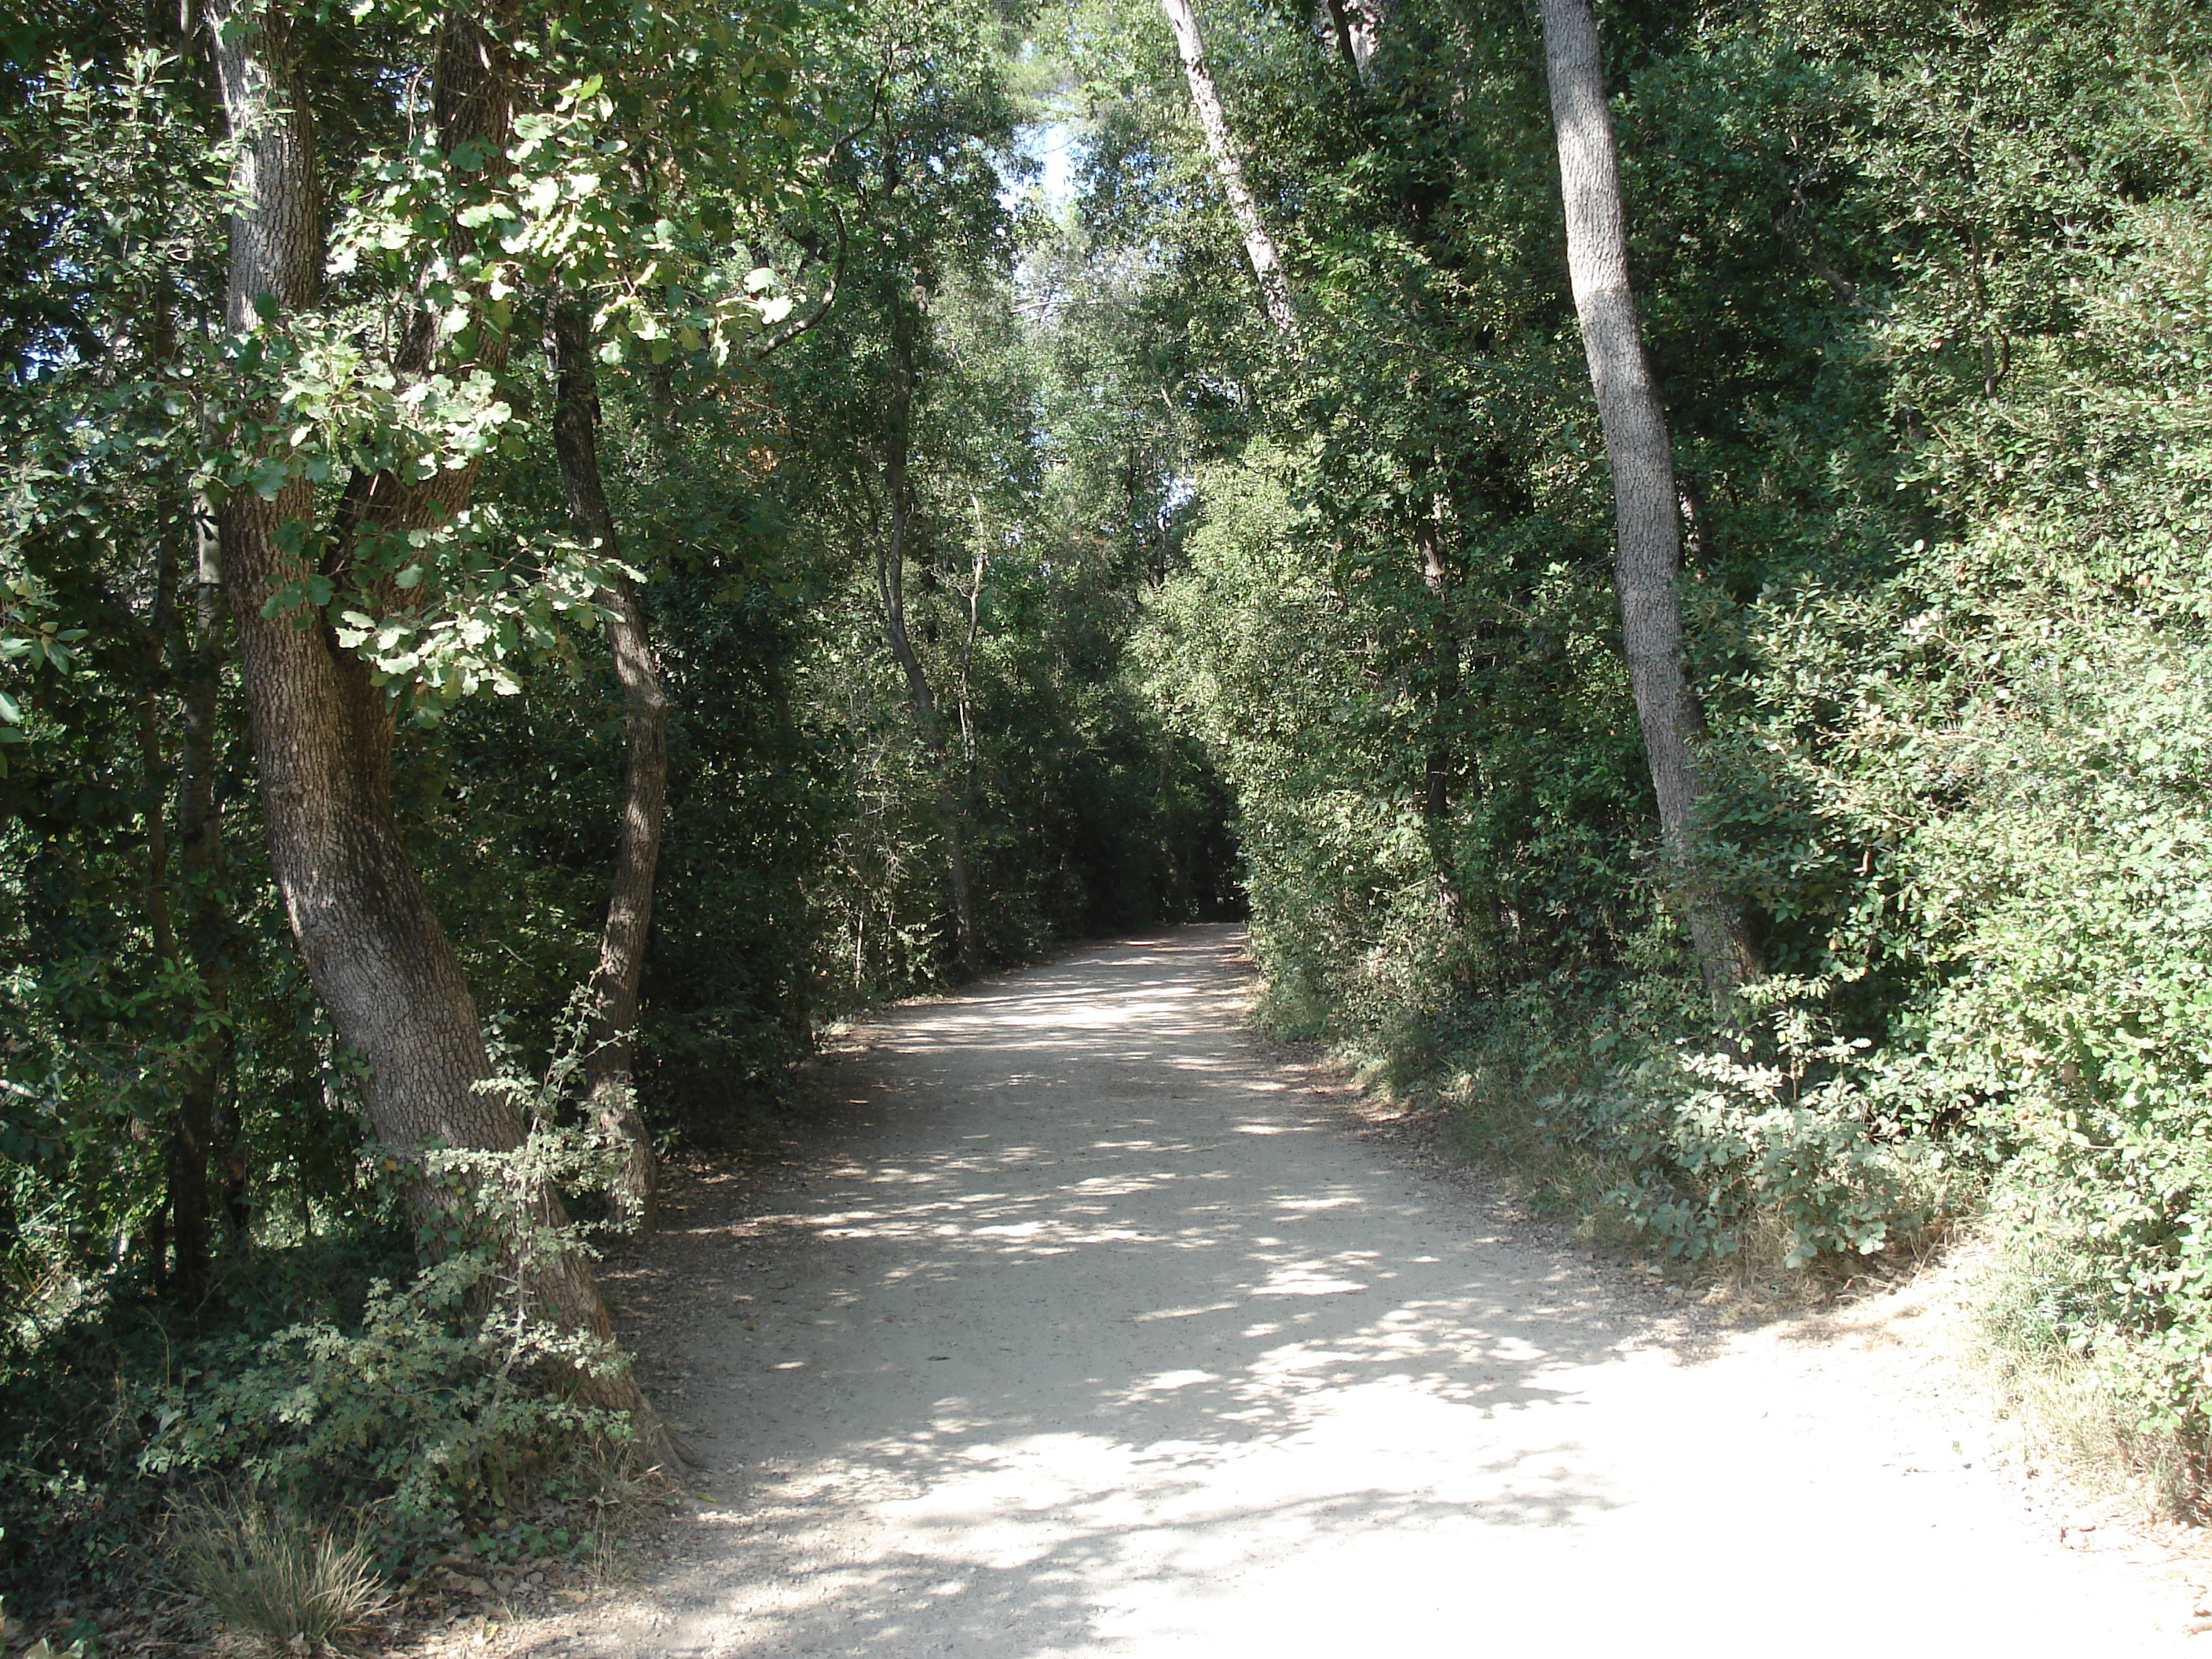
(442, 1405)
(41, 1649)
(2105, 1412)
(420, 1405)
(77, 1412)
(1811, 1143)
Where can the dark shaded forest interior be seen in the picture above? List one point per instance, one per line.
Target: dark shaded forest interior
(1660, 553)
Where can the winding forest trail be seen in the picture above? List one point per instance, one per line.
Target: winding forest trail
(1092, 1331)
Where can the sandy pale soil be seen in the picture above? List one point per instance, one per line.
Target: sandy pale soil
(1090, 1330)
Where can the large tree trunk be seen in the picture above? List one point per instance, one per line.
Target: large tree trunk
(1259, 246)
(644, 776)
(1649, 546)
(891, 587)
(322, 732)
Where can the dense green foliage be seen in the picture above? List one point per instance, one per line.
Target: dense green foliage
(987, 528)
(1925, 288)
(802, 868)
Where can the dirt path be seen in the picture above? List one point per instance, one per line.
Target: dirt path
(1091, 1334)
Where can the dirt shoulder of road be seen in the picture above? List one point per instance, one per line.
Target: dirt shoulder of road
(1914, 1328)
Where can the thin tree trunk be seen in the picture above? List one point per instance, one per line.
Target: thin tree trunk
(322, 731)
(962, 699)
(206, 931)
(152, 762)
(645, 777)
(156, 823)
(1649, 547)
(1444, 692)
(1357, 25)
(890, 583)
(192, 648)
(1259, 245)
(182, 1226)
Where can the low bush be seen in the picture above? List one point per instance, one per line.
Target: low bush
(2104, 1411)
(443, 1404)
(424, 1406)
(1809, 1144)
(1790, 1148)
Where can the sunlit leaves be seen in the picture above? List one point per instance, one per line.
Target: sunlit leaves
(498, 607)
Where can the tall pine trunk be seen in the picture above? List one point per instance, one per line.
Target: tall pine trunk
(1229, 167)
(1648, 549)
(644, 776)
(322, 731)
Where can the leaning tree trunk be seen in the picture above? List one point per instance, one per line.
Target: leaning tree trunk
(1649, 547)
(1259, 246)
(322, 731)
(644, 776)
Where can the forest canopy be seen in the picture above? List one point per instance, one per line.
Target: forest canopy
(1657, 552)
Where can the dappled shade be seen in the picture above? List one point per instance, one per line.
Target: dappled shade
(1093, 1329)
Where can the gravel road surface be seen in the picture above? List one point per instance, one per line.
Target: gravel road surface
(1093, 1329)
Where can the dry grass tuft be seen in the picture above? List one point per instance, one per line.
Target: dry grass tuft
(290, 1586)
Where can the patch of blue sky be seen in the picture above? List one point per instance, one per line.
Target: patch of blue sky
(1054, 146)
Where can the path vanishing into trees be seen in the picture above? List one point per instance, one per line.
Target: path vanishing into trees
(1093, 1329)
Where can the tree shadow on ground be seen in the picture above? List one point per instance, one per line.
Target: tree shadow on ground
(1077, 1314)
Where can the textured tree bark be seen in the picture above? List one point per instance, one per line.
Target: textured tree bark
(1647, 550)
(891, 585)
(1229, 167)
(322, 732)
(644, 776)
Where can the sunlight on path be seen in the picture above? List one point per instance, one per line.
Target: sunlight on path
(1099, 1338)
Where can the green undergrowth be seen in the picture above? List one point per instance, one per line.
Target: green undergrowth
(349, 1388)
(1769, 1166)
(1789, 1163)
(2104, 1413)
(389, 1414)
